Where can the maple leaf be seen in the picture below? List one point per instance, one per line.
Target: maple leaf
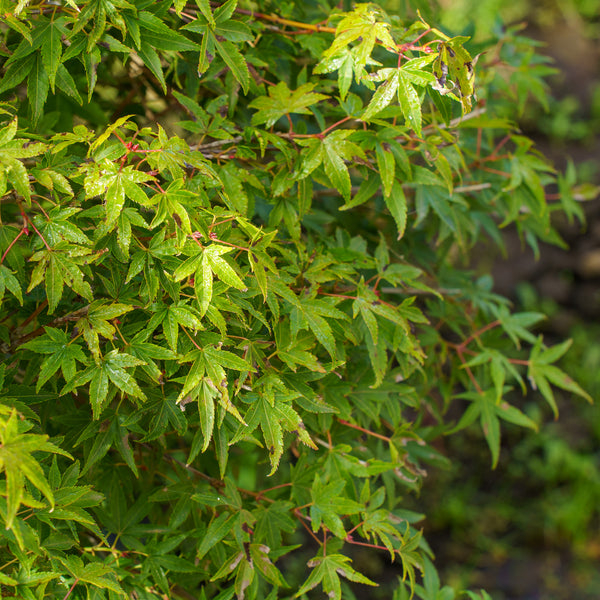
(365, 24)
(208, 369)
(219, 32)
(10, 282)
(282, 101)
(94, 573)
(329, 505)
(332, 151)
(12, 150)
(310, 315)
(62, 353)
(18, 463)
(114, 183)
(110, 369)
(173, 316)
(399, 82)
(274, 418)
(58, 266)
(454, 71)
(96, 323)
(207, 263)
(327, 571)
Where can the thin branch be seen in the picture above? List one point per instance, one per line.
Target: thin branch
(23, 231)
(472, 115)
(288, 22)
(71, 588)
(217, 144)
(366, 431)
(472, 188)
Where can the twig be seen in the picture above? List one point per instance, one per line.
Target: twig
(472, 115)
(71, 588)
(216, 144)
(282, 21)
(473, 188)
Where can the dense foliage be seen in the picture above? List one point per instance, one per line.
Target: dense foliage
(236, 309)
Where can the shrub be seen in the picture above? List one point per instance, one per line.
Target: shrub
(237, 310)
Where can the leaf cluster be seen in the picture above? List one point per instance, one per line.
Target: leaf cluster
(238, 335)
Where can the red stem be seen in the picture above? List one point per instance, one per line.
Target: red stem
(325, 131)
(12, 244)
(191, 338)
(519, 361)
(479, 332)
(40, 236)
(367, 431)
(469, 372)
(230, 244)
(300, 517)
(500, 144)
(496, 171)
(351, 541)
(71, 588)
(276, 487)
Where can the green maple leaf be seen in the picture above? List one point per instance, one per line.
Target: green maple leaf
(327, 571)
(274, 418)
(114, 436)
(217, 529)
(332, 151)
(220, 33)
(38, 85)
(165, 411)
(366, 25)
(345, 63)
(58, 266)
(62, 353)
(363, 305)
(260, 559)
(272, 521)
(96, 574)
(410, 557)
(310, 315)
(172, 207)
(110, 369)
(128, 217)
(205, 265)
(39, 58)
(205, 393)
(400, 83)
(261, 414)
(98, 11)
(97, 323)
(283, 101)
(114, 183)
(10, 282)
(51, 47)
(12, 150)
(172, 317)
(489, 410)
(18, 464)
(59, 228)
(329, 505)
(159, 35)
(376, 523)
(293, 357)
(141, 348)
(541, 373)
(208, 368)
